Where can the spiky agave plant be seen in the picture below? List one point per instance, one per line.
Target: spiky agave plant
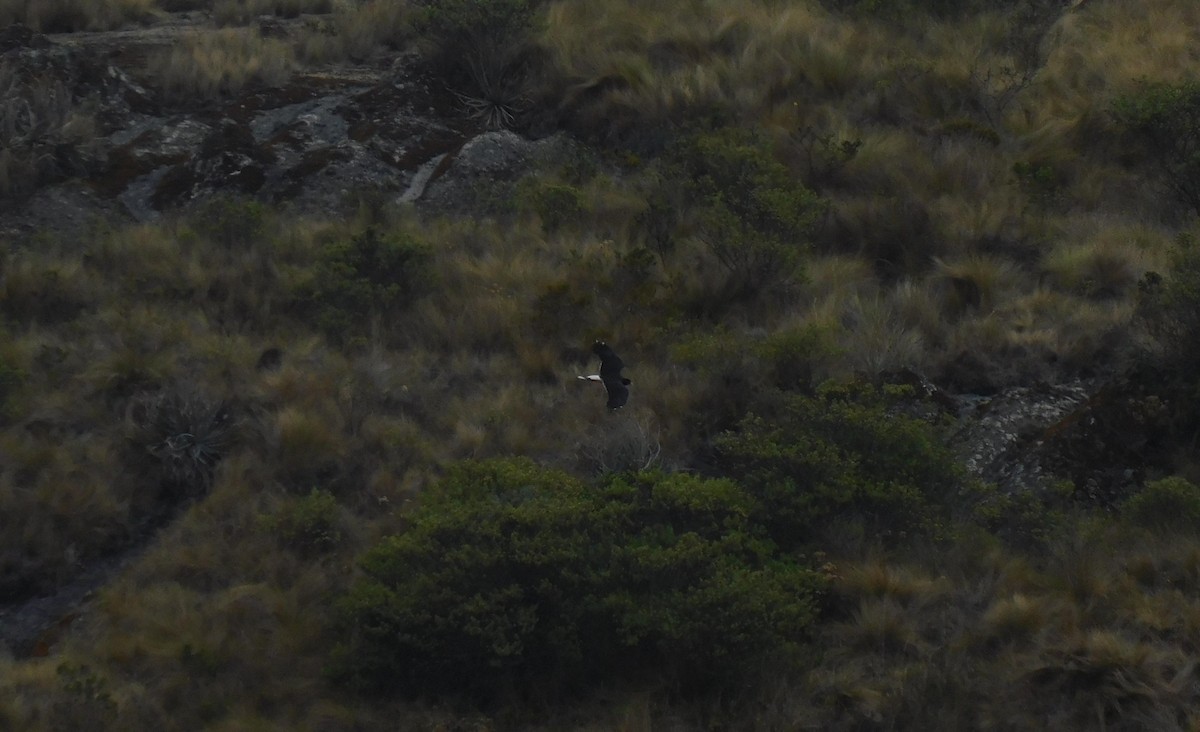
(496, 98)
(189, 434)
(483, 51)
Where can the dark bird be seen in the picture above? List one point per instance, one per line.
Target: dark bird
(616, 385)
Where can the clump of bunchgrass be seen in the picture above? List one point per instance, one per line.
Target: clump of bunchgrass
(881, 626)
(974, 283)
(1100, 270)
(213, 64)
(874, 339)
(1019, 618)
(1106, 676)
(357, 31)
(907, 586)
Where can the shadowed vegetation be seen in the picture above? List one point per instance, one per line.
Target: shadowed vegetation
(339, 474)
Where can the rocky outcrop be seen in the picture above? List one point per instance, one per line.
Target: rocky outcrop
(1100, 436)
(460, 180)
(308, 144)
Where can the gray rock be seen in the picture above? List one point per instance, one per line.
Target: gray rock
(473, 178)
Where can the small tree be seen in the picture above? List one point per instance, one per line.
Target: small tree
(520, 578)
(754, 215)
(367, 276)
(842, 455)
(1165, 120)
(1171, 504)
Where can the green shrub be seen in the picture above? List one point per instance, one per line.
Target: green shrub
(310, 525)
(754, 215)
(367, 276)
(1023, 519)
(1164, 119)
(1171, 503)
(513, 576)
(1042, 183)
(85, 702)
(231, 221)
(734, 371)
(556, 204)
(824, 155)
(838, 456)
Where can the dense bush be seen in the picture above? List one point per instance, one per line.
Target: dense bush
(231, 221)
(310, 525)
(753, 213)
(368, 275)
(1171, 503)
(516, 577)
(556, 204)
(732, 372)
(1164, 119)
(842, 455)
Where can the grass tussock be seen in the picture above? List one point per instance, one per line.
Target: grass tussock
(212, 64)
(357, 30)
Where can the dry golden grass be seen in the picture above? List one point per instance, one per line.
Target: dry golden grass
(356, 31)
(1017, 619)
(874, 339)
(212, 64)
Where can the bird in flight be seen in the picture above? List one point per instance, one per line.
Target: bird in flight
(616, 385)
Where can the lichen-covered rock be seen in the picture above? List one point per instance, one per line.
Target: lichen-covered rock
(473, 178)
(60, 105)
(229, 160)
(1098, 435)
(996, 432)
